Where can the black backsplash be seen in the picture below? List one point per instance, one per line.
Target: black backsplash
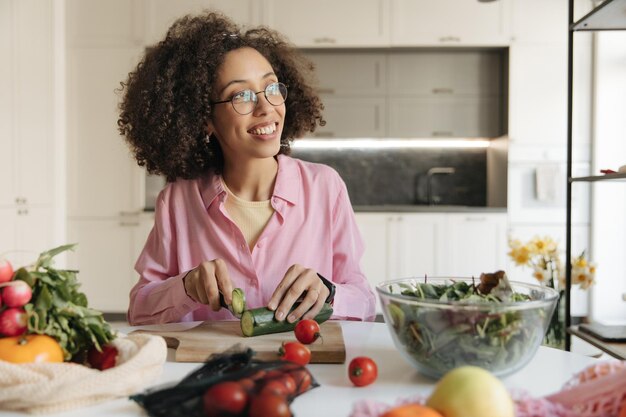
(398, 176)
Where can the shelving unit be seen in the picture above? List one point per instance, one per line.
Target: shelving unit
(610, 15)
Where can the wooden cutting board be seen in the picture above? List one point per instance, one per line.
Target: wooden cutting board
(198, 343)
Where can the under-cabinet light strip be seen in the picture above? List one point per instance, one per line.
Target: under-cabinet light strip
(388, 143)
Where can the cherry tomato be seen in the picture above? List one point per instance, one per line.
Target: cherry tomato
(269, 405)
(225, 397)
(295, 352)
(307, 331)
(302, 378)
(362, 371)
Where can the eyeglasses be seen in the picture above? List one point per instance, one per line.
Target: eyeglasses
(245, 101)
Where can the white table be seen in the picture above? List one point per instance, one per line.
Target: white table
(545, 374)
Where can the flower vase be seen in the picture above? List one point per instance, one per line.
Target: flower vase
(555, 335)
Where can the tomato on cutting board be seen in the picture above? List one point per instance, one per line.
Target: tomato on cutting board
(307, 331)
(30, 348)
(295, 352)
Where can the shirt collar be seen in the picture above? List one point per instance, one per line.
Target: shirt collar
(286, 186)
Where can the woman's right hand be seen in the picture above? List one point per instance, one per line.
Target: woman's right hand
(205, 283)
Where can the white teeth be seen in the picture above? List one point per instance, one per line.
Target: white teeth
(265, 130)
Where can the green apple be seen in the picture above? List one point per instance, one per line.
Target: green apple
(470, 391)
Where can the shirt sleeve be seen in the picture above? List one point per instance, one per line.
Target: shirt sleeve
(354, 298)
(159, 296)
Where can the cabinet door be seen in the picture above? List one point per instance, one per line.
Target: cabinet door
(328, 23)
(33, 101)
(105, 258)
(350, 117)
(160, 14)
(104, 23)
(445, 73)
(445, 117)
(374, 228)
(419, 245)
(26, 232)
(475, 243)
(350, 74)
(7, 85)
(103, 178)
(450, 22)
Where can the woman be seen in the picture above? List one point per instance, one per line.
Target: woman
(214, 109)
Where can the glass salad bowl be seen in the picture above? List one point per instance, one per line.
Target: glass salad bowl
(442, 323)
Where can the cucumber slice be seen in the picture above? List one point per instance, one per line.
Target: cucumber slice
(261, 320)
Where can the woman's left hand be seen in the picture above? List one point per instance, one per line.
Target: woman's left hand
(294, 284)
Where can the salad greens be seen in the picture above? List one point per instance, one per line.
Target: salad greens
(474, 329)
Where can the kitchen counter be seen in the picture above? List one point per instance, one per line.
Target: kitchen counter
(396, 379)
(423, 208)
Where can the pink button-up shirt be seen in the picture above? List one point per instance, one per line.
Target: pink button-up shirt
(313, 225)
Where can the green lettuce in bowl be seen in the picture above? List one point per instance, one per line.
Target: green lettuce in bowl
(442, 323)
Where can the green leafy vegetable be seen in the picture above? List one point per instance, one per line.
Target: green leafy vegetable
(58, 309)
(478, 330)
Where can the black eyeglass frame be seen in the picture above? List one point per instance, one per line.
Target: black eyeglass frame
(256, 99)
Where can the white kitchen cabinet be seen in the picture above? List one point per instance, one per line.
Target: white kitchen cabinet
(329, 23)
(27, 112)
(475, 243)
(105, 257)
(443, 116)
(432, 244)
(26, 232)
(450, 22)
(103, 179)
(160, 14)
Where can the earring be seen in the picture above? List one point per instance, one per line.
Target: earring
(207, 138)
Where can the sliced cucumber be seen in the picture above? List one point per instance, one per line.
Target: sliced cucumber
(238, 304)
(261, 320)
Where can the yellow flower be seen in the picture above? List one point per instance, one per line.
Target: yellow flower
(579, 262)
(520, 255)
(543, 246)
(541, 275)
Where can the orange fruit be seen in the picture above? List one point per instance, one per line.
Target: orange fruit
(412, 410)
(30, 348)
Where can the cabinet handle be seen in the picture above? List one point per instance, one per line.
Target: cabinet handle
(130, 213)
(129, 224)
(449, 39)
(475, 219)
(22, 212)
(442, 134)
(324, 134)
(20, 200)
(324, 40)
(326, 90)
(443, 91)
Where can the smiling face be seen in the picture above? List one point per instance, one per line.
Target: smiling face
(256, 135)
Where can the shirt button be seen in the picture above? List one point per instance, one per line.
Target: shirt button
(243, 246)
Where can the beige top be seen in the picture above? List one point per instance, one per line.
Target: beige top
(250, 216)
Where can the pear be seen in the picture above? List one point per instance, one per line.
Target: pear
(470, 391)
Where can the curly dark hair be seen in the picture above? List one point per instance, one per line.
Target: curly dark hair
(166, 100)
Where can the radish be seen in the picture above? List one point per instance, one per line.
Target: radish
(13, 322)
(6, 270)
(16, 294)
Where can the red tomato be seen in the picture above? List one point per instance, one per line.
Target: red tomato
(362, 371)
(302, 379)
(283, 385)
(247, 384)
(269, 405)
(225, 397)
(295, 352)
(307, 331)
